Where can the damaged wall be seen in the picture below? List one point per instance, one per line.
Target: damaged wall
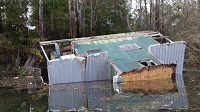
(71, 68)
(97, 66)
(68, 68)
(170, 53)
(149, 73)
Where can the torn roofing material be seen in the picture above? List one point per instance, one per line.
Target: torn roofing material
(123, 52)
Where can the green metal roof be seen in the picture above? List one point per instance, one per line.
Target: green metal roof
(124, 60)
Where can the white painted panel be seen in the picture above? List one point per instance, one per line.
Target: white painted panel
(170, 53)
(97, 67)
(69, 68)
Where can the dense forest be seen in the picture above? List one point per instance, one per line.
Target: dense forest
(24, 23)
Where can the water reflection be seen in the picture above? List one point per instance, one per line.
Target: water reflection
(105, 96)
(79, 96)
(148, 87)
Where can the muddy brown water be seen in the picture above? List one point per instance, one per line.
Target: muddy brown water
(29, 94)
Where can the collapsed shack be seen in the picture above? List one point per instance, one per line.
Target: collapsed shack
(119, 57)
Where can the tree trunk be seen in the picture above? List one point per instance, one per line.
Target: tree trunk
(91, 13)
(125, 19)
(1, 22)
(83, 18)
(17, 61)
(150, 18)
(75, 19)
(199, 5)
(1, 26)
(140, 15)
(162, 18)
(32, 61)
(157, 15)
(52, 17)
(79, 16)
(70, 19)
(41, 21)
(94, 19)
(146, 14)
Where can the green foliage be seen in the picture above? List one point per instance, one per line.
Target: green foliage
(108, 20)
(17, 41)
(179, 20)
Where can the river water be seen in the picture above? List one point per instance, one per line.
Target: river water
(159, 95)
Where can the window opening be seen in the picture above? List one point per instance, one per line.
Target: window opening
(146, 62)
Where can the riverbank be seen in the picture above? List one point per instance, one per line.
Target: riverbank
(22, 82)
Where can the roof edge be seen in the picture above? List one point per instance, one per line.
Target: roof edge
(111, 36)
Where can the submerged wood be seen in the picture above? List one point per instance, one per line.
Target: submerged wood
(149, 73)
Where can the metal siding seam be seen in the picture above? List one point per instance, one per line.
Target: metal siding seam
(183, 52)
(58, 66)
(172, 53)
(161, 53)
(77, 75)
(177, 55)
(50, 72)
(95, 67)
(53, 72)
(181, 58)
(62, 71)
(59, 75)
(165, 53)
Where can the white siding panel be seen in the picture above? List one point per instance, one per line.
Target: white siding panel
(170, 53)
(97, 67)
(66, 69)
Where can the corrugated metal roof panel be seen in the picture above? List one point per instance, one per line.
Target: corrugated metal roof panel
(124, 60)
(170, 53)
(66, 69)
(97, 67)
